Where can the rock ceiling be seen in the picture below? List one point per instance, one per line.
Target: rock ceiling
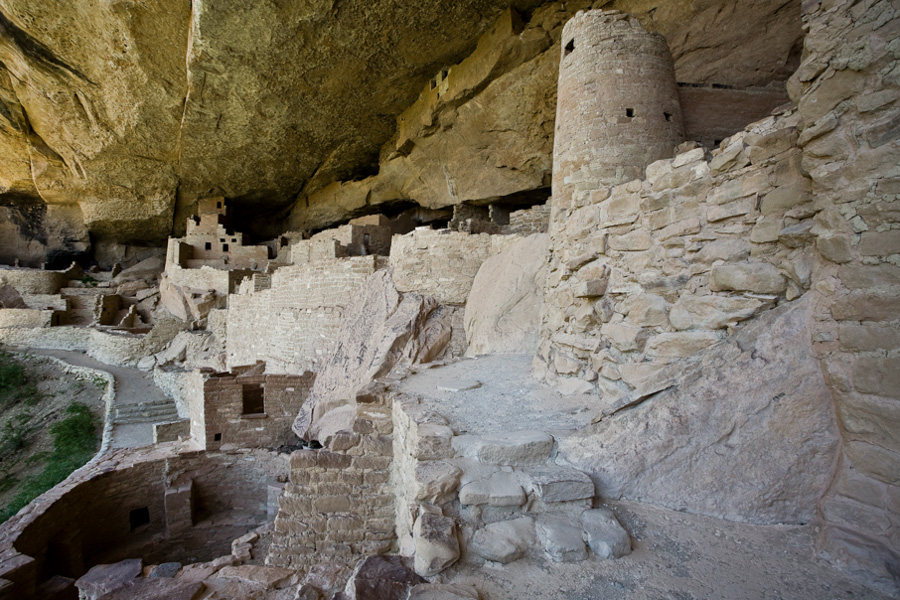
(116, 115)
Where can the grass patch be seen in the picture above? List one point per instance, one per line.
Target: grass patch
(74, 443)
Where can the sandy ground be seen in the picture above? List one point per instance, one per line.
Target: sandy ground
(677, 556)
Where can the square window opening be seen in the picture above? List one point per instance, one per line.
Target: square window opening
(139, 517)
(217, 437)
(629, 112)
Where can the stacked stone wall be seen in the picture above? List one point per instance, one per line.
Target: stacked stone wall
(36, 281)
(207, 278)
(654, 270)
(439, 263)
(617, 107)
(339, 504)
(530, 220)
(27, 317)
(292, 325)
(88, 519)
(226, 423)
(848, 94)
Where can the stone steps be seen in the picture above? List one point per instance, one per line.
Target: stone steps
(503, 492)
(152, 412)
(519, 502)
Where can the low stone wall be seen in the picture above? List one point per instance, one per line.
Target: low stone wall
(36, 281)
(292, 325)
(25, 318)
(164, 503)
(849, 134)
(113, 347)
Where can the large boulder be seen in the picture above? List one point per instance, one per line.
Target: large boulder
(503, 311)
(744, 430)
(382, 333)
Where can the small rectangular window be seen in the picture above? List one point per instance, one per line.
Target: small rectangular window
(208, 245)
(629, 112)
(218, 205)
(139, 517)
(253, 400)
(224, 247)
(217, 437)
(668, 116)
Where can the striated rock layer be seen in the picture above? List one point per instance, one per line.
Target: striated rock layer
(115, 117)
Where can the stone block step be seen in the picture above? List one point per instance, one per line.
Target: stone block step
(516, 448)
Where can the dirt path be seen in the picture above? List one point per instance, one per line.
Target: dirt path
(133, 388)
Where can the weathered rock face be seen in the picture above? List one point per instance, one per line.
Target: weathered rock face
(744, 430)
(382, 331)
(117, 116)
(503, 311)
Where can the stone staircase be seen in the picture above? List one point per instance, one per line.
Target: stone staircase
(157, 411)
(516, 501)
(492, 497)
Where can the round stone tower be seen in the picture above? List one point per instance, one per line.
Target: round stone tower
(617, 108)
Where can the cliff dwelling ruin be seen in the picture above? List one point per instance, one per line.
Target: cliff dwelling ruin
(470, 300)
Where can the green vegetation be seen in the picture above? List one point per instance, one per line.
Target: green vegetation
(74, 443)
(75, 436)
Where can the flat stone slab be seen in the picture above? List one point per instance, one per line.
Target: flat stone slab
(500, 489)
(505, 541)
(102, 579)
(157, 589)
(459, 386)
(268, 577)
(560, 484)
(517, 448)
(440, 591)
(561, 539)
(605, 535)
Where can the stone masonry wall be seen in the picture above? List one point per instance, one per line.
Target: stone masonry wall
(654, 270)
(228, 426)
(530, 220)
(338, 506)
(848, 94)
(86, 520)
(440, 263)
(292, 325)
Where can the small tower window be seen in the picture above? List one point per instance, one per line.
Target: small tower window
(668, 116)
(217, 437)
(224, 247)
(209, 245)
(570, 47)
(218, 205)
(629, 112)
